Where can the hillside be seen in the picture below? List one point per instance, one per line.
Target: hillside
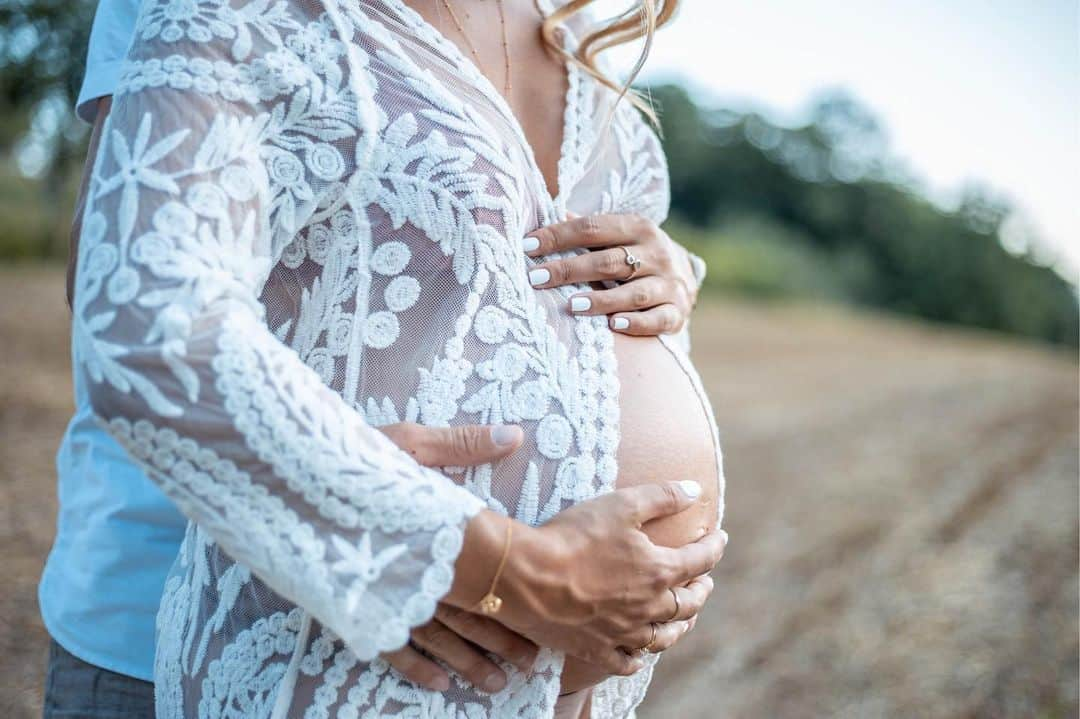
(902, 505)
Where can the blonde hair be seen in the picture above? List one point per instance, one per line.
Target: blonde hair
(635, 23)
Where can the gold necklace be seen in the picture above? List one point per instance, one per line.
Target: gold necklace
(507, 86)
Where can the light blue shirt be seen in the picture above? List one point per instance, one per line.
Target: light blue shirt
(117, 534)
(110, 38)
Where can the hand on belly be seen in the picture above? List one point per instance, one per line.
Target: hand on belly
(666, 436)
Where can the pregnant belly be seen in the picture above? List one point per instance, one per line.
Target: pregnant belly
(666, 435)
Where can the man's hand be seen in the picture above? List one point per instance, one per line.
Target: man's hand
(455, 636)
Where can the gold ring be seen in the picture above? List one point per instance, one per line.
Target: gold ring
(647, 647)
(677, 607)
(632, 260)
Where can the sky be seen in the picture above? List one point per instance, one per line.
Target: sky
(967, 90)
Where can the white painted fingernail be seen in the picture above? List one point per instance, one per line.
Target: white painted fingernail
(580, 304)
(538, 277)
(620, 323)
(529, 244)
(504, 435)
(691, 488)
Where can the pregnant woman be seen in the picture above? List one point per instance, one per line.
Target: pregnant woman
(312, 218)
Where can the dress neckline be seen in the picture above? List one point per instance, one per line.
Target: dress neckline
(554, 205)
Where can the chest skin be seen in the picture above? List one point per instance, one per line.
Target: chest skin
(538, 78)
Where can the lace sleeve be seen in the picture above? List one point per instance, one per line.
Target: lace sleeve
(227, 132)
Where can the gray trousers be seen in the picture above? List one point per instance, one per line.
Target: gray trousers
(75, 689)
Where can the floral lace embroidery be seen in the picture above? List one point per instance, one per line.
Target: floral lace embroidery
(299, 229)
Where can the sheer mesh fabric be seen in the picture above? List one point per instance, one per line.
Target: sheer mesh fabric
(304, 223)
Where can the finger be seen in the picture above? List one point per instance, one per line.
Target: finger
(601, 230)
(467, 660)
(645, 502)
(693, 596)
(662, 320)
(617, 661)
(589, 267)
(638, 294)
(461, 446)
(666, 635)
(490, 635)
(695, 558)
(418, 669)
(691, 600)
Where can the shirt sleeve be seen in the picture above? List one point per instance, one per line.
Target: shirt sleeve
(110, 37)
(221, 144)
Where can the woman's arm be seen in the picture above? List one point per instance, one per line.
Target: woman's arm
(209, 165)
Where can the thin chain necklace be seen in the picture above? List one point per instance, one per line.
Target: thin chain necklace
(507, 86)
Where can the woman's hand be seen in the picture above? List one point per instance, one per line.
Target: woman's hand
(457, 637)
(578, 675)
(590, 582)
(656, 299)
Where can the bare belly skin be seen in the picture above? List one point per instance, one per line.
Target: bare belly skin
(666, 436)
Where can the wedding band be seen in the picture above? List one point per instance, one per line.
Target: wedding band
(632, 260)
(677, 607)
(647, 646)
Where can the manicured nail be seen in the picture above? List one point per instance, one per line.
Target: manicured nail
(524, 661)
(504, 435)
(620, 323)
(494, 682)
(724, 535)
(690, 488)
(538, 277)
(529, 244)
(580, 304)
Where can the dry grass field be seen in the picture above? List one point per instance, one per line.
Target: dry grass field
(902, 505)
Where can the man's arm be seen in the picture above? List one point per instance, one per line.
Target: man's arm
(102, 111)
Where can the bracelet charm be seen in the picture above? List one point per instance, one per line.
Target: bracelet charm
(491, 602)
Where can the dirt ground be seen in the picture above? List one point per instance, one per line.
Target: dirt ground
(902, 505)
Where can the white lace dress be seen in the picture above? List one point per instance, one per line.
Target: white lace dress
(305, 222)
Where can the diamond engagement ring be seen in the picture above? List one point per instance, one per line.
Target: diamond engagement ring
(632, 260)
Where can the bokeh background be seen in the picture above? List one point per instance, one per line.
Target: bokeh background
(886, 197)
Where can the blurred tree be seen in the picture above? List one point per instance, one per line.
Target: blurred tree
(820, 210)
(832, 184)
(42, 54)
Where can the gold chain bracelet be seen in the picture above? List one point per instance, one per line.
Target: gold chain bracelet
(492, 603)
